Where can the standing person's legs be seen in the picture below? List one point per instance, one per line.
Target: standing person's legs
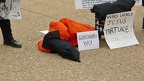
(7, 34)
(6, 30)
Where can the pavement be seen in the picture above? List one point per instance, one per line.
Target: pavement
(103, 64)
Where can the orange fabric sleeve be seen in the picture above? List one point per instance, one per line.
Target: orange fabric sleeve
(62, 29)
(74, 27)
(41, 48)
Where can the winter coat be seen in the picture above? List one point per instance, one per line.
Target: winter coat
(101, 10)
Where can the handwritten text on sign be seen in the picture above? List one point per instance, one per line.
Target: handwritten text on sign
(88, 40)
(118, 30)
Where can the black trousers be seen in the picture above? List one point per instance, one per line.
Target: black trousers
(142, 2)
(143, 17)
(6, 30)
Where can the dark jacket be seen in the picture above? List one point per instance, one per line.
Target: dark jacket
(101, 10)
(62, 47)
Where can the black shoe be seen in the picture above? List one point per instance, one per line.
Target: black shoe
(13, 43)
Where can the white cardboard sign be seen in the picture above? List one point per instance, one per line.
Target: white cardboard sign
(10, 9)
(118, 30)
(88, 40)
(88, 4)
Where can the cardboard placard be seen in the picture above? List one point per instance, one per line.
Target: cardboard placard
(88, 40)
(118, 30)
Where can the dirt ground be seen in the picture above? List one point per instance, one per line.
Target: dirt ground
(103, 64)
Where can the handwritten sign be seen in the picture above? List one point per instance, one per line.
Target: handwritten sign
(118, 30)
(88, 4)
(88, 40)
(10, 9)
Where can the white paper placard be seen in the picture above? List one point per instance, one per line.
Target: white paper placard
(88, 40)
(44, 31)
(118, 30)
(88, 4)
(10, 9)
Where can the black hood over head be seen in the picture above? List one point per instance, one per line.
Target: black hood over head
(52, 41)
